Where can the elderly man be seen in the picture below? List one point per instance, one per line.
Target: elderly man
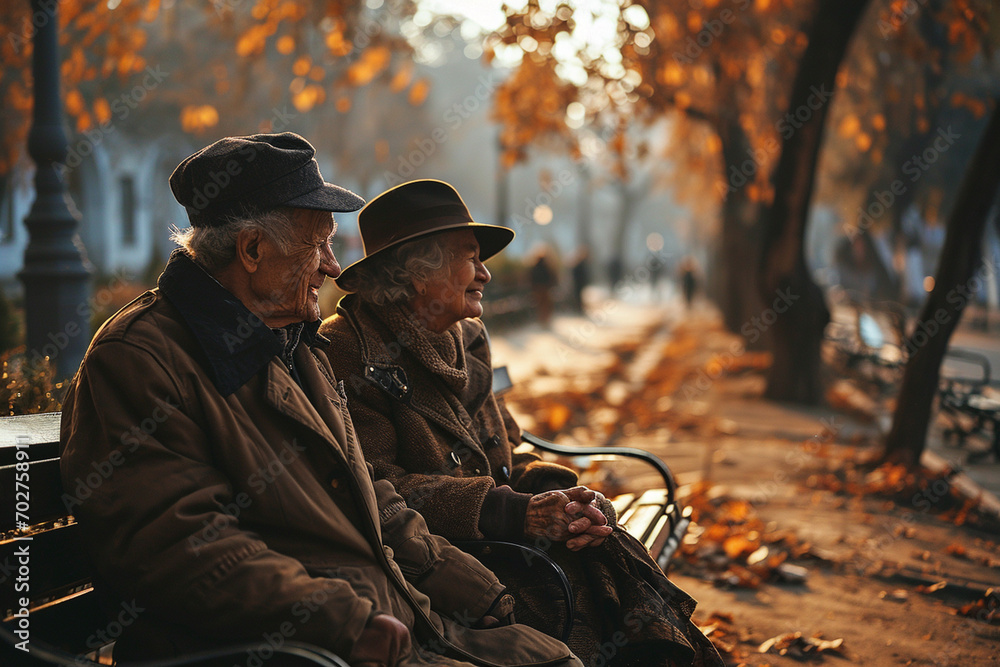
(237, 505)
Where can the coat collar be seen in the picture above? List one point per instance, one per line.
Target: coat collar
(390, 353)
(237, 344)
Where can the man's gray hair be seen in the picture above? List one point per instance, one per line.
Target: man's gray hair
(214, 247)
(389, 278)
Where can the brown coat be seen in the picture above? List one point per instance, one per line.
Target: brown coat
(411, 418)
(441, 450)
(233, 510)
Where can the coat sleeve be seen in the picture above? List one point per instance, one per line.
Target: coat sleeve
(458, 585)
(530, 474)
(163, 525)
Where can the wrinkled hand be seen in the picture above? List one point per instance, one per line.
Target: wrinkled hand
(569, 515)
(590, 525)
(384, 642)
(500, 613)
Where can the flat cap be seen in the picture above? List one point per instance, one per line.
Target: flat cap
(236, 175)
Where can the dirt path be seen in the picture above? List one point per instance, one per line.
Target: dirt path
(780, 495)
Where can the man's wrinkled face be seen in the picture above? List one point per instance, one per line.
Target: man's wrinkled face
(287, 283)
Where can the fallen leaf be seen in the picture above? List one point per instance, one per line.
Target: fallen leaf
(956, 550)
(932, 588)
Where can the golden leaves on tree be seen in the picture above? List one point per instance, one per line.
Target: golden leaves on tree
(197, 51)
(531, 105)
(199, 118)
(372, 62)
(418, 93)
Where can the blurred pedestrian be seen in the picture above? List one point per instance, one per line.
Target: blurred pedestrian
(689, 279)
(580, 276)
(656, 269)
(543, 281)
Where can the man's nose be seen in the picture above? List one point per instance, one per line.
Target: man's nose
(328, 265)
(482, 273)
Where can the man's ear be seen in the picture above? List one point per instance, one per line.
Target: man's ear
(249, 249)
(419, 286)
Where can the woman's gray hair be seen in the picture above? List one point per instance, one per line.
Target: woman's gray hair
(214, 247)
(389, 278)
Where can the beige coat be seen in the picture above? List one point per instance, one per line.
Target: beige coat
(232, 504)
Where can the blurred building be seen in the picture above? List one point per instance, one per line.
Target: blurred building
(118, 189)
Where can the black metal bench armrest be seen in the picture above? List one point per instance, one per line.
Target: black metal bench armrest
(497, 550)
(43, 653)
(972, 358)
(632, 452)
(308, 653)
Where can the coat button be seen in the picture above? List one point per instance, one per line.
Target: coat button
(454, 458)
(506, 473)
(334, 482)
(478, 471)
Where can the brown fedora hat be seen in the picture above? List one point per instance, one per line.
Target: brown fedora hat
(416, 209)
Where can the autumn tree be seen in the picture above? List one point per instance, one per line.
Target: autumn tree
(218, 67)
(912, 75)
(717, 70)
(798, 327)
(960, 259)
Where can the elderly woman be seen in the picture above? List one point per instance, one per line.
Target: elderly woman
(417, 371)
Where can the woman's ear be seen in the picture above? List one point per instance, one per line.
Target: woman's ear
(249, 249)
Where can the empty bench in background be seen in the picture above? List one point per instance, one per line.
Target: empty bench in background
(970, 405)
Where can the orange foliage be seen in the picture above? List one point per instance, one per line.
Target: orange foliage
(371, 63)
(109, 48)
(418, 93)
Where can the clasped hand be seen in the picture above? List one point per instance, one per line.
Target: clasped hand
(572, 516)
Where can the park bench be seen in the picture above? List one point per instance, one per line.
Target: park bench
(43, 560)
(655, 516)
(868, 348)
(47, 596)
(969, 405)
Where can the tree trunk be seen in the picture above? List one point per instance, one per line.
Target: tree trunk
(616, 262)
(928, 342)
(503, 187)
(795, 309)
(585, 218)
(739, 242)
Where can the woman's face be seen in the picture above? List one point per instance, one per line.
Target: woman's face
(456, 291)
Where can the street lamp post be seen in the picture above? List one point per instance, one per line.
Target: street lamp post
(54, 276)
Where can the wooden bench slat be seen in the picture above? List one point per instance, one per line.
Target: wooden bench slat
(622, 502)
(44, 493)
(57, 561)
(657, 534)
(73, 625)
(41, 431)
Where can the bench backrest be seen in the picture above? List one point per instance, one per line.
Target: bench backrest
(42, 559)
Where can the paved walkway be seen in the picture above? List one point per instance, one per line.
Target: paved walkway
(574, 350)
(866, 552)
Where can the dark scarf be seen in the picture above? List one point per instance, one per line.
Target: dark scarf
(235, 342)
(443, 354)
